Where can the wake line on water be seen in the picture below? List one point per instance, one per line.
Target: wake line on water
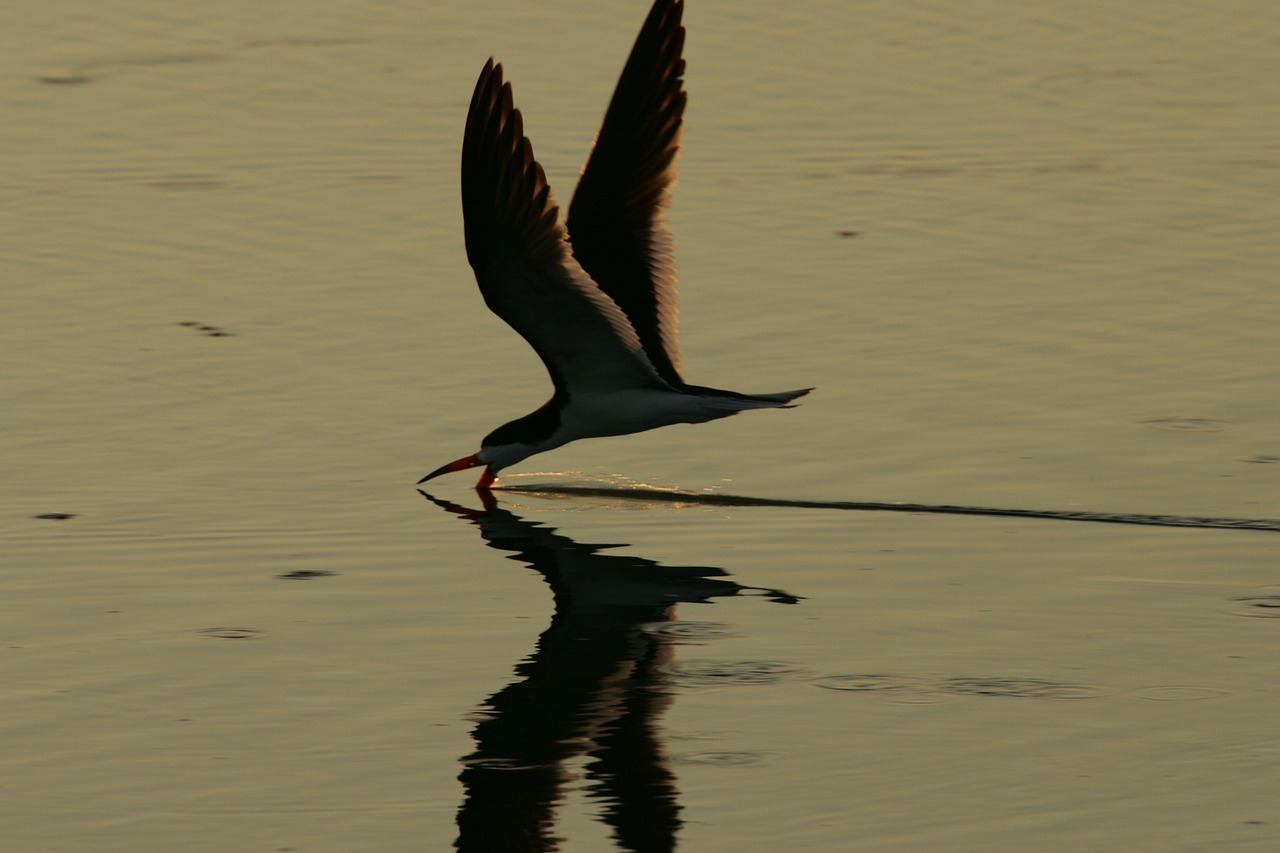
(717, 499)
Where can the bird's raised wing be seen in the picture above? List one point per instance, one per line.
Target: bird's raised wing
(616, 225)
(520, 253)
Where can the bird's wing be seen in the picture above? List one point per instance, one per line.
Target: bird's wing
(616, 222)
(520, 253)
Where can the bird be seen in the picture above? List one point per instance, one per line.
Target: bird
(594, 294)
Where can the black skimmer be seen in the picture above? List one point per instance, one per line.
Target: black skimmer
(594, 296)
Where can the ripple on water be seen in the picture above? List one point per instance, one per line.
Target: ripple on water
(1179, 693)
(917, 690)
(709, 673)
(1261, 603)
(206, 329)
(873, 683)
(688, 633)
(1186, 424)
(498, 764)
(725, 758)
(230, 633)
(1032, 688)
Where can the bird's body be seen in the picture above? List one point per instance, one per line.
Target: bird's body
(595, 297)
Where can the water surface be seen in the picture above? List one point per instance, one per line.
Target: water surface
(1024, 251)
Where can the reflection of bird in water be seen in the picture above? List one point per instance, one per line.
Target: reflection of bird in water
(595, 686)
(595, 296)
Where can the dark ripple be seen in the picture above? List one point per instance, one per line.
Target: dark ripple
(709, 673)
(1187, 424)
(498, 764)
(1032, 688)
(915, 689)
(688, 633)
(1180, 693)
(1263, 603)
(206, 329)
(71, 79)
(231, 633)
(186, 182)
(717, 499)
(873, 683)
(725, 759)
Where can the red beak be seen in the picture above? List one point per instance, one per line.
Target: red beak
(486, 479)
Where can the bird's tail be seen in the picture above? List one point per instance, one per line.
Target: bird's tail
(731, 401)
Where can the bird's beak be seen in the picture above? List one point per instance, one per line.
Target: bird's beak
(472, 461)
(460, 465)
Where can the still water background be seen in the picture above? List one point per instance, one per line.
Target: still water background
(1025, 251)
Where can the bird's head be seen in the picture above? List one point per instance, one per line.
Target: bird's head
(494, 457)
(511, 443)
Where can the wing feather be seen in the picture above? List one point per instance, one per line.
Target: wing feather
(521, 257)
(616, 224)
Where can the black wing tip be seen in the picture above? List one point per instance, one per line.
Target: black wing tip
(489, 79)
(615, 221)
(505, 194)
(665, 14)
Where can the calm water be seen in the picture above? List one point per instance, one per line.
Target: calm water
(1026, 253)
